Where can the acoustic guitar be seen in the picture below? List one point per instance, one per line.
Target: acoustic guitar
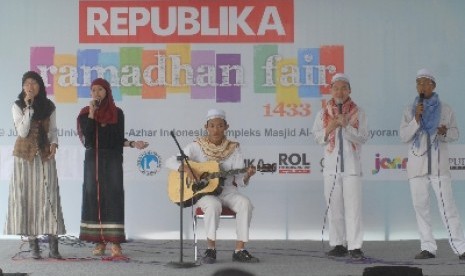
(209, 182)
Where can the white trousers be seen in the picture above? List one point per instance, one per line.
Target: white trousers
(240, 204)
(419, 187)
(344, 197)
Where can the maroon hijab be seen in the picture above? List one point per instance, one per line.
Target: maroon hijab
(107, 113)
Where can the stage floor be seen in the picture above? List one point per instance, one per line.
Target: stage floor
(277, 257)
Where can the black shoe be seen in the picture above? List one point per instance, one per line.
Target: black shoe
(244, 256)
(356, 254)
(425, 254)
(35, 248)
(462, 257)
(210, 256)
(338, 251)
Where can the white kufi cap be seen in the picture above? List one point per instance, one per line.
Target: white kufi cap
(425, 73)
(216, 113)
(340, 77)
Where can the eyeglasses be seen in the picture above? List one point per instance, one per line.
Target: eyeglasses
(422, 83)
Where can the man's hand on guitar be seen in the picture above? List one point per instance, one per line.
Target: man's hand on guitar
(189, 174)
(250, 171)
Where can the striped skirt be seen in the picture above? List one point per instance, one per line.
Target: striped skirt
(102, 214)
(34, 205)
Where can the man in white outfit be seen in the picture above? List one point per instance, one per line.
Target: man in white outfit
(215, 146)
(341, 127)
(428, 125)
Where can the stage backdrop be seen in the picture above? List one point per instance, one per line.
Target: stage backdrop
(268, 64)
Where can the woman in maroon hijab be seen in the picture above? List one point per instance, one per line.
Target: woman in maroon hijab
(101, 130)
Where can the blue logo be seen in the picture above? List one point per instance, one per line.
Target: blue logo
(149, 163)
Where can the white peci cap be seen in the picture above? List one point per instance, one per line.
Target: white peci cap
(216, 113)
(340, 77)
(425, 73)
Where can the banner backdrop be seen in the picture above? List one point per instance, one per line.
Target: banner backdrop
(268, 64)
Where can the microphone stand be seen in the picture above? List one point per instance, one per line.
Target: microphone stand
(182, 157)
(341, 149)
(428, 137)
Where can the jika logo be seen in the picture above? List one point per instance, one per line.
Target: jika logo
(396, 163)
(261, 165)
(149, 163)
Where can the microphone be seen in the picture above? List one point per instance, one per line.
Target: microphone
(97, 103)
(339, 105)
(421, 99)
(29, 102)
(341, 150)
(172, 134)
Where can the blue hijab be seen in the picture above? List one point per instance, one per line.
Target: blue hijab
(430, 118)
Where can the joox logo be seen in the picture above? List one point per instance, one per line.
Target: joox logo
(386, 163)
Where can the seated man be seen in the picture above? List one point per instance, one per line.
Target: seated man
(215, 146)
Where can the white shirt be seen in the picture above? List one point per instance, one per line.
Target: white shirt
(352, 145)
(234, 161)
(22, 123)
(417, 157)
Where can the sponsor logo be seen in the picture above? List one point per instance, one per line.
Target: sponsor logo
(457, 163)
(266, 167)
(262, 166)
(294, 163)
(386, 163)
(206, 21)
(149, 163)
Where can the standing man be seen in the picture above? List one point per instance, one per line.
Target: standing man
(341, 127)
(428, 125)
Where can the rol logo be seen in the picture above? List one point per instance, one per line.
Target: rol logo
(294, 163)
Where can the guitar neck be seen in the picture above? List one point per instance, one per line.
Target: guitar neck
(227, 173)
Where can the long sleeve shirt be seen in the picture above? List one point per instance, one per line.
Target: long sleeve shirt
(22, 121)
(110, 136)
(234, 161)
(417, 156)
(352, 138)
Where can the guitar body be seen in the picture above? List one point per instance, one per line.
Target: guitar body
(191, 195)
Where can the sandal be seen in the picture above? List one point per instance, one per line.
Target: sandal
(99, 249)
(116, 250)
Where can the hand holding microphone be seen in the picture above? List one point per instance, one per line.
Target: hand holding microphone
(341, 119)
(339, 105)
(94, 104)
(420, 107)
(28, 98)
